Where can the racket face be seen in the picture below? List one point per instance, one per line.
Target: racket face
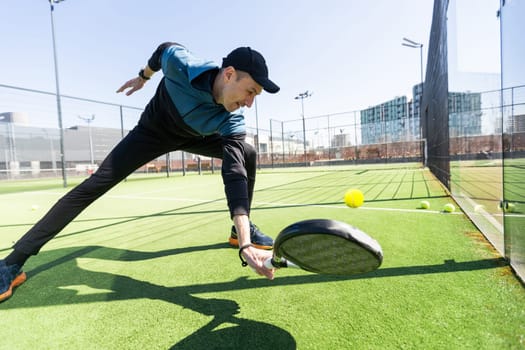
(328, 247)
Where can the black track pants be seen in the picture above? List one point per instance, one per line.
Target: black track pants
(151, 138)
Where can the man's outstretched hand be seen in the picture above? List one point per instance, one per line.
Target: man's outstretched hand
(133, 85)
(256, 258)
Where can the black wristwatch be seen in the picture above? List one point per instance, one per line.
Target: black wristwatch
(141, 74)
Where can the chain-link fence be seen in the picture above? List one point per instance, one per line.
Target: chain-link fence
(356, 137)
(32, 146)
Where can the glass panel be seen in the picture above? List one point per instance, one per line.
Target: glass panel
(475, 122)
(513, 81)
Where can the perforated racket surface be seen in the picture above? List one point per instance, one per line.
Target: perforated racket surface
(328, 247)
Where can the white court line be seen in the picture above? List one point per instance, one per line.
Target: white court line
(48, 192)
(136, 196)
(170, 199)
(331, 206)
(192, 200)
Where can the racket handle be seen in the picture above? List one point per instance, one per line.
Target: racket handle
(272, 263)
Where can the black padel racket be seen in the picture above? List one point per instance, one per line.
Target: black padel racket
(326, 247)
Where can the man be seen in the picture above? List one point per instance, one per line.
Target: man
(192, 110)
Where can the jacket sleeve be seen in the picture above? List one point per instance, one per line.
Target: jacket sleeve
(238, 173)
(154, 61)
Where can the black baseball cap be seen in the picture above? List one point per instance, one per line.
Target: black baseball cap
(253, 63)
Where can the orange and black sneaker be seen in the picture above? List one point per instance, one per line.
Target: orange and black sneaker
(259, 239)
(10, 277)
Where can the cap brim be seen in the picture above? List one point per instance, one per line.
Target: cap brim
(268, 85)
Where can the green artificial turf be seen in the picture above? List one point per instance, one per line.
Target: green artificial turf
(148, 267)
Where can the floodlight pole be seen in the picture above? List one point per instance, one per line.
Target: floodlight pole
(301, 97)
(88, 120)
(416, 45)
(59, 105)
(257, 147)
(271, 142)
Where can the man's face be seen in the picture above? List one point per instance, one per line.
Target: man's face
(239, 90)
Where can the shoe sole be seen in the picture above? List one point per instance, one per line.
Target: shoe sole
(235, 242)
(19, 279)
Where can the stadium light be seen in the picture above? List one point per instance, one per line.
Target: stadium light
(59, 105)
(301, 97)
(415, 45)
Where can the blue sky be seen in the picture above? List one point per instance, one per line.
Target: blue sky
(347, 52)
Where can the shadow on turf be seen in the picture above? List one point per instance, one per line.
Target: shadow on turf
(56, 279)
(224, 330)
(186, 210)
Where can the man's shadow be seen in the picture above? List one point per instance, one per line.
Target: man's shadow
(225, 330)
(58, 288)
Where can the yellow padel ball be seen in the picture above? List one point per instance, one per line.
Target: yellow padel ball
(509, 207)
(424, 204)
(449, 208)
(354, 198)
